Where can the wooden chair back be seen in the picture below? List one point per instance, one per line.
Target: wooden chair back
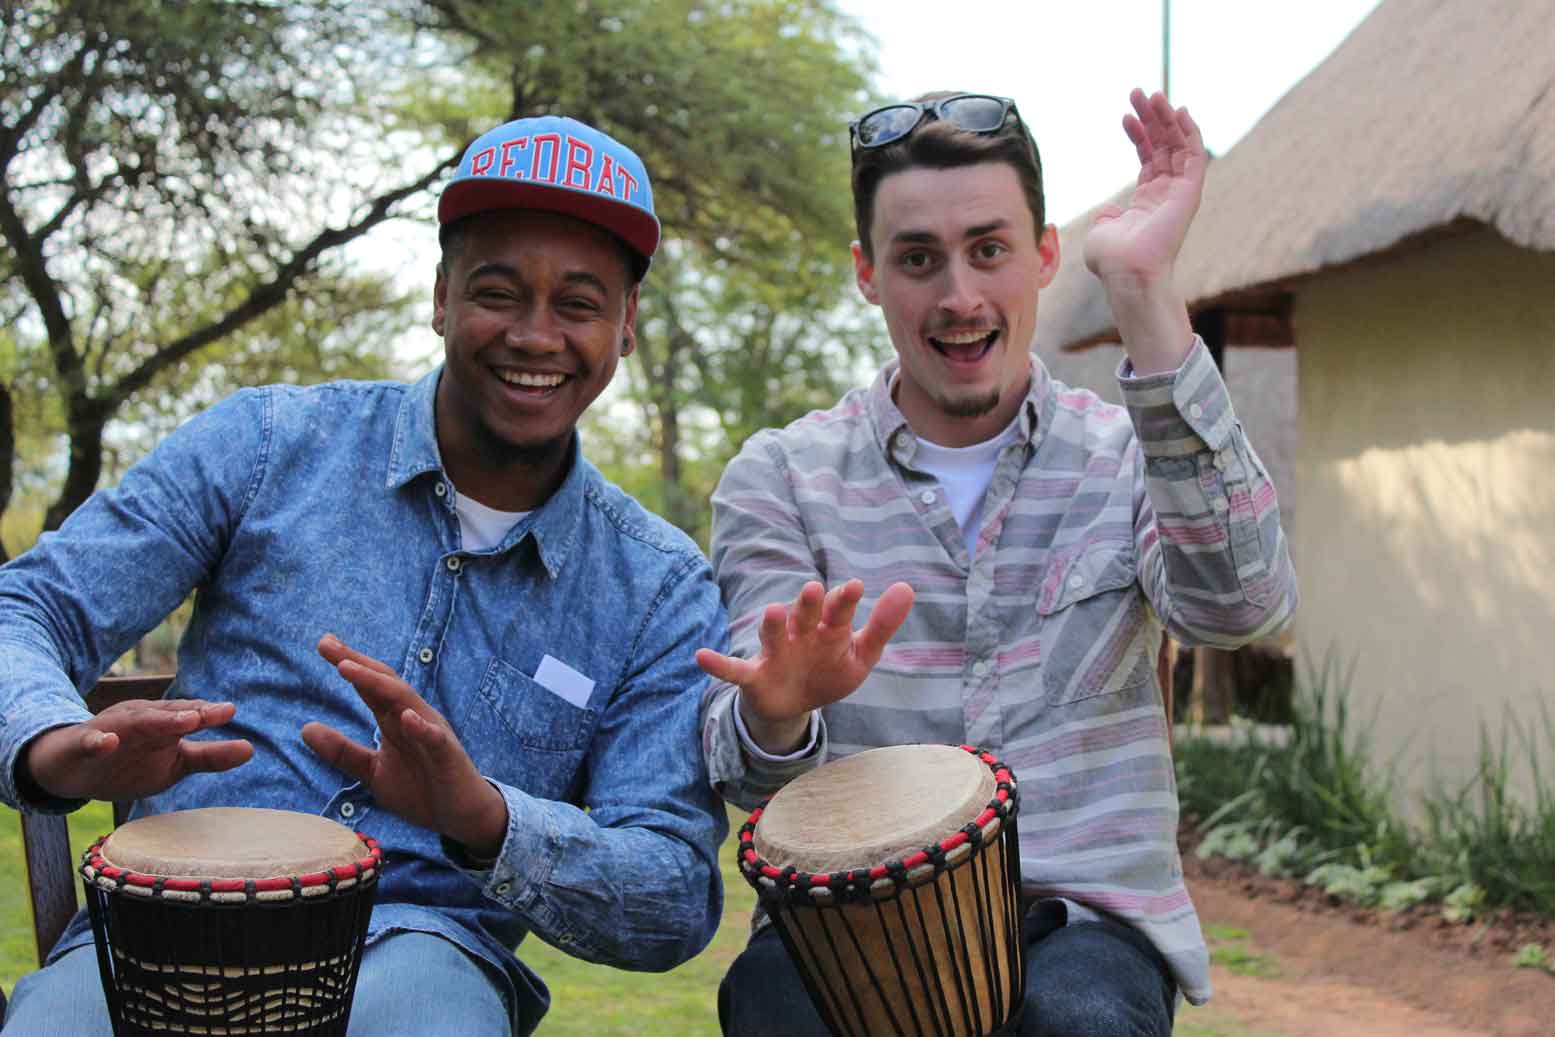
(51, 871)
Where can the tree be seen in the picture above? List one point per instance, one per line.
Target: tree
(251, 141)
(739, 111)
(173, 175)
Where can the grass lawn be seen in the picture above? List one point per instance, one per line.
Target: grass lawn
(586, 999)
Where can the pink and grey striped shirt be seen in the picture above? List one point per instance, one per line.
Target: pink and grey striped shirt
(1101, 525)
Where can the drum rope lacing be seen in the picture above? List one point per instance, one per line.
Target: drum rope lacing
(882, 881)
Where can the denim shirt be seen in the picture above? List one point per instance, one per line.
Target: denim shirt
(299, 511)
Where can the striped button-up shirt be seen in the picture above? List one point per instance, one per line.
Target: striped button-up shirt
(1102, 524)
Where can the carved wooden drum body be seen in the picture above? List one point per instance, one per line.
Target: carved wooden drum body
(230, 921)
(893, 878)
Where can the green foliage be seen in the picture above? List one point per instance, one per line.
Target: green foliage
(1533, 956)
(1326, 782)
(1317, 806)
(1228, 948)
(1463, 903)
(1485, 836)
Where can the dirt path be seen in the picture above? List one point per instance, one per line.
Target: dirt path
(1333, 975)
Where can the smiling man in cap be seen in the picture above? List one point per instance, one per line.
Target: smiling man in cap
(436, 622)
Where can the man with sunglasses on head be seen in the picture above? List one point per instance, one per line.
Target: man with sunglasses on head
(1048, 538)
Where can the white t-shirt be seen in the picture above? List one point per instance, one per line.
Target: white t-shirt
(481, 527)
(964, 474)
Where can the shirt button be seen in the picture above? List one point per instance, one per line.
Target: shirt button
(348, 809)
(504, 888)
(1195, 411)
(1077, 581)
(425, 655)
(440, 489)
(902, 439)
(455, 564)
(927, 496)
(979, 668)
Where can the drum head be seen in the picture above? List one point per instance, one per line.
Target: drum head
(873, 807)
(231, 843)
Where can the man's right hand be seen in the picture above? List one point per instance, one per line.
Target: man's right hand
(132, 749)
(810, 657)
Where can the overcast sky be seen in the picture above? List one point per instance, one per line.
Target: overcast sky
(1069, 65)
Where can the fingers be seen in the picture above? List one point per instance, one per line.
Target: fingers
(806, 612)
(774, 628)
(147, 722)
(726, 667)
(214, 756)
(885, 619)
(384, 692)
(337, 651)
(339, 751)
(1162, 136)
(841, 602)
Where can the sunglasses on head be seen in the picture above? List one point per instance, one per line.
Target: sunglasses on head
(975, 113)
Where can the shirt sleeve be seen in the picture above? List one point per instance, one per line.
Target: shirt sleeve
(119, 564)
(1213, 557)
(761, 555)
(633, 881)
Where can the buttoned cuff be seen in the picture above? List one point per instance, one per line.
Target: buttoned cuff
(812, 741)
(517, 878)
(1179, 413)
(27, 795)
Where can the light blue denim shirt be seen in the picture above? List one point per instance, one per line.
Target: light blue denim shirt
(300, 511)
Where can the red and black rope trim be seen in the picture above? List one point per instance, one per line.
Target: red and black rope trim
(882, 881)
(275, 889)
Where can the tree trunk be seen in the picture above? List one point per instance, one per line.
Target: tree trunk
(677, 505)
(7, 457)
(1214, 687)
(86, 464)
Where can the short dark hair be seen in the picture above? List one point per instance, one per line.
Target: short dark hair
(451, 237)
(937, 144)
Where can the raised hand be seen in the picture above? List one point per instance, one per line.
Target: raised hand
(1133, 249)
(1142, 239)
(132, 749)
(810, 656)
(419, 770)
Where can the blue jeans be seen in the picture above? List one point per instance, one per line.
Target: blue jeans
(409, 983)
(1090, 979)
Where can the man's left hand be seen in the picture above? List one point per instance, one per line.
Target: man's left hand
(1133, 249)
(1141, 241)
(419, 771)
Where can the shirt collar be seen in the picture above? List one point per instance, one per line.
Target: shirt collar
(896, 437)
(553, 524)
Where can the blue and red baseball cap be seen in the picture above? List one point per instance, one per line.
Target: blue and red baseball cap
(560, 165)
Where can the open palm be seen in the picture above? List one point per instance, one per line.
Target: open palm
(810, 655)
(1140, 241)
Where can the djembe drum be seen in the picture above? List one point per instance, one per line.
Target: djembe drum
(230, 921)
(893, 878)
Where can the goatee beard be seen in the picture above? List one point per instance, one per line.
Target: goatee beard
(970, 407)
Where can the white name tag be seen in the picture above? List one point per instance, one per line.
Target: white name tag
(571, 685)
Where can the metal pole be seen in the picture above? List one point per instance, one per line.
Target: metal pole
(1166, 48)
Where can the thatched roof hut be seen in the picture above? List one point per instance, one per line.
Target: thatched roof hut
(1431, 115)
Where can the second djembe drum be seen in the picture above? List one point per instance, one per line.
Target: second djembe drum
(230, 922)
(893, 879)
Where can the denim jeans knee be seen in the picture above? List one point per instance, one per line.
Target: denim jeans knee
(1097, 979)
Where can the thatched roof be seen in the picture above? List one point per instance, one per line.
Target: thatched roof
(1431, 113)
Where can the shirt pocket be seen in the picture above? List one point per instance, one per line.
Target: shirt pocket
(1094, 626)
(522, 734)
